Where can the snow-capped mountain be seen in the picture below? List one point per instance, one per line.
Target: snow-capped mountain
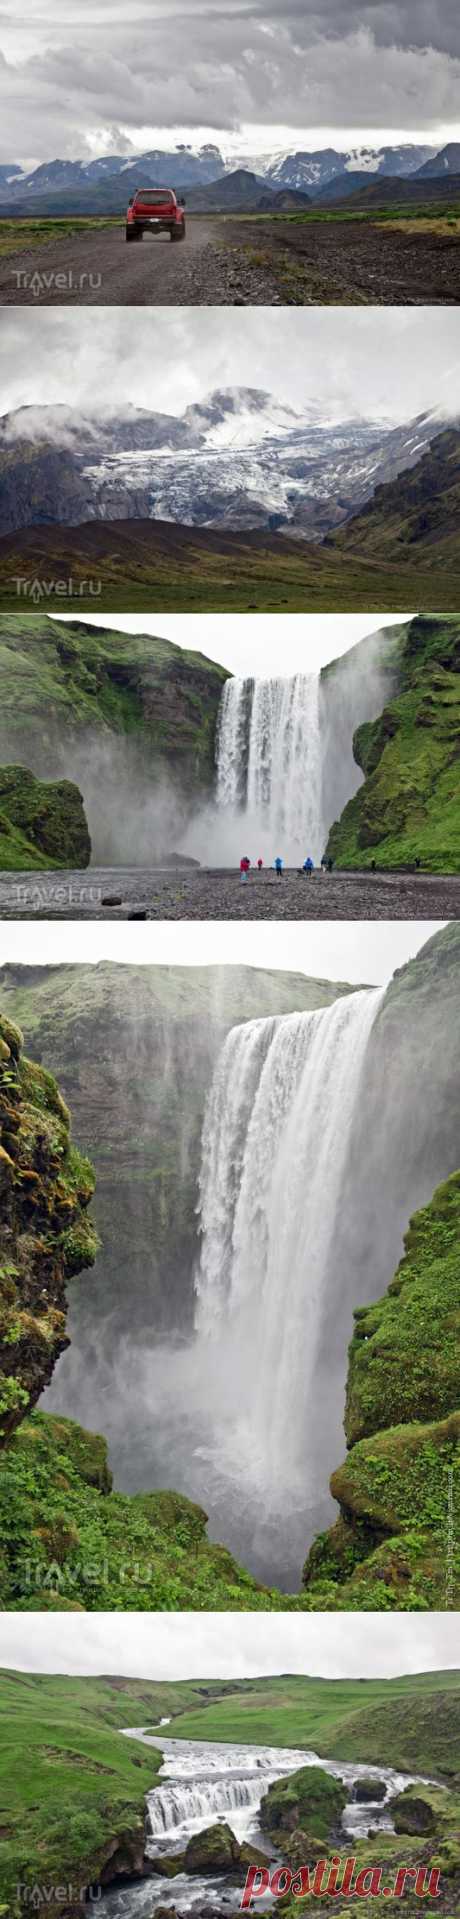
(240, 459)
(314, 170)
(106, 178)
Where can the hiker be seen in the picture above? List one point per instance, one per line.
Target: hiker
(278, 865)
(260, 865)
(244, 867)
(308, 866)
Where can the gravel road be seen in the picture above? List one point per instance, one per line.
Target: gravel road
(218, 894)
(97, 268)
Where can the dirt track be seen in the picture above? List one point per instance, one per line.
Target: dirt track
(97, 268)
(218, 894)
(240, 263)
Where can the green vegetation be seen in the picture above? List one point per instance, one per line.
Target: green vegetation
(41, 824)
(147, 566)
(45, 1233)
(411, 1722)
(63, 686)
(309, 1799)
(21, 235)
(402, 1474)
(68, 1540)
(72, 1787)
(408, 807)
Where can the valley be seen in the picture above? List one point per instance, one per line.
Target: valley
(180, 1808)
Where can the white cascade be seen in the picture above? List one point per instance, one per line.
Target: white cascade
(277, 1131)
(269, 763)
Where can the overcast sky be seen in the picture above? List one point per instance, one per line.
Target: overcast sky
(389, 363)
(360, 951)
(230, 1645)
(257, 643)
(252, 75)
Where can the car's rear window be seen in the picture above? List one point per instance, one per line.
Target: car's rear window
(154, 196)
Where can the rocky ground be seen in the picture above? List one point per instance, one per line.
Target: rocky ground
(354, 262)
(97, 268)
(217, 893)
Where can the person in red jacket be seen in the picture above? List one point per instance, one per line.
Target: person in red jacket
(244, 867)
(260, 865)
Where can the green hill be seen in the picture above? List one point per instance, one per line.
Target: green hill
(72, 1788)
(409, 804)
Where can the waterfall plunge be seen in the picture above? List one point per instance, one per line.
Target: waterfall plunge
(276, 1135)
(269, 764)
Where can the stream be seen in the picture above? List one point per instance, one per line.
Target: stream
(203, 1782)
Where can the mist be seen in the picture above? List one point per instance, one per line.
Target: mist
(178, 1400)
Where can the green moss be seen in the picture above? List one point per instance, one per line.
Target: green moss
(408, 807)
(403, 1362)
(397, 1540)
(62, 685)
(42, 824)
(67, 1535)
(45, 1232)
(310, 1799)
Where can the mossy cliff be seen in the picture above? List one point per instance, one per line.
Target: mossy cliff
(396, 1541)
(131, 718)
(408, 806)
(72, 1543)
(46, 1236)
(42, 823)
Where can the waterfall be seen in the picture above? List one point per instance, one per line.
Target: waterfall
(276, 1135)
(269, 763)
(178, 1805)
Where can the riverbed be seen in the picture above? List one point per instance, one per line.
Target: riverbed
(203, 1782)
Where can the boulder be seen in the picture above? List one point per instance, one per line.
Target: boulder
(412, 1813)
(214, 1850)
(368, 1789)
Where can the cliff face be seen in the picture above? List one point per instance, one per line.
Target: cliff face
(132, 719)
(42, 824)
(416, 515)
(45, 1234)
(409, 804)
(134, 1050)
(401, 1479)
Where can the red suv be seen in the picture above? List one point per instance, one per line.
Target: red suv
(154, 210)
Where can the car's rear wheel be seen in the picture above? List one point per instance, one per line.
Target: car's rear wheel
(178, 233)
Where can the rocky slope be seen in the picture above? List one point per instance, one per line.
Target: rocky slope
(131, 718)
(46, 1236)
(42, 824)
(415, 515)
(241, 460)
(408, 807)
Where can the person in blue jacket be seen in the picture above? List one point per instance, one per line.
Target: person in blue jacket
(308, 866)
(278, 865)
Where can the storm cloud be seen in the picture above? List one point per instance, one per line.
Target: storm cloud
(251, 73)
(390, 365)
